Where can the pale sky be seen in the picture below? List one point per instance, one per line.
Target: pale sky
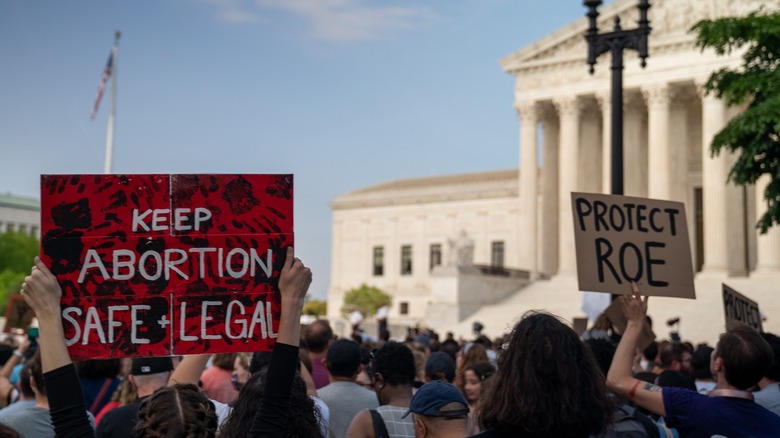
(343, 94)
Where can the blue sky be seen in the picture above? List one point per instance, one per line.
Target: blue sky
(342, 93)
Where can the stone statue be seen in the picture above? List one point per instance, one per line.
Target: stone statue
(461, 250)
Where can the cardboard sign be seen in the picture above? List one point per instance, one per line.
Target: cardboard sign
(579, 325)
(619, 321)
(19, 314)
(620, 239)
(740, 310)
(154, 265)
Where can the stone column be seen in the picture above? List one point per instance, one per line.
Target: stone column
(527, 113)
(604, 99)
(767, 245)
(569, 109)
(634, 146)
(714, 174)
(679, 189)
(658, 98)
(548, 223)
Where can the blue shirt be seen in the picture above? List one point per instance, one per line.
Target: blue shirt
(695, 415)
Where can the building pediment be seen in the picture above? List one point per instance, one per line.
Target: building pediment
(670, 20)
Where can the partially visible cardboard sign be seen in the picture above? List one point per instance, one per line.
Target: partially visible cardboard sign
(740, 310)
(579, 325)
(619, 321)
(620, 239)
(19, 314)
(155, 265)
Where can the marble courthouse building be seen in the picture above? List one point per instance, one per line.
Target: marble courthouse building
(400, 235)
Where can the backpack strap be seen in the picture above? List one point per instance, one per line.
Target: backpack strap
(650, 426)
(380, 430)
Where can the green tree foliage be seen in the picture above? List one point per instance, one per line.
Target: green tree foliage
(10, 284)
(755, 133)
(17, 251)
(366, 298)
(315, 308)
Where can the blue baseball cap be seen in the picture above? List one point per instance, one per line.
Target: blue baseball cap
(433, 396)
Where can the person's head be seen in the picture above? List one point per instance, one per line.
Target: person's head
(439, 366)
(603, 351)
(439, 410)
(675, 356)
(36, 375)
(180, 410)
(451, 347)
(742, 356)
(700, 363)
(392, 368)
(473, 377)
(225, 361)
(150, 373)
(318, 336)
(24, 380)
(260, 360)
(343, 359)
(547, 384)
(675, 379)
(651, 351)
(773, 373)
(125, 393)
(302, 409)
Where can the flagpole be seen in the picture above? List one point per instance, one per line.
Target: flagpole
(112, 109)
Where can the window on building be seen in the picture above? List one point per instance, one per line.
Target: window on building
(379, 261)
(435, 256)
(403, 308)
(497, 254)
(406, 260)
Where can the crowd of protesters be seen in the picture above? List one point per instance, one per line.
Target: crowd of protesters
(540, 380)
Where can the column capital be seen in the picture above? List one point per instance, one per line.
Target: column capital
(701, 90)
(658, 94)
(604, 99)
(527, 111)
(568, 106)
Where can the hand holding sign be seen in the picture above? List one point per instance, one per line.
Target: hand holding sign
(294, 281)
(634, 306)
(293, 284)
(42, 291)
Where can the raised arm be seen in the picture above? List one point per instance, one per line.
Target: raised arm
(66, 398)
(619, 378)
(189, 369)
(42, 292)
(272, 417)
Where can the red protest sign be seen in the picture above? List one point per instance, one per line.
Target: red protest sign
(167, 264)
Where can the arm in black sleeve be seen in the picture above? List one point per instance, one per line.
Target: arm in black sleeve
(66, 403)
(271, 419)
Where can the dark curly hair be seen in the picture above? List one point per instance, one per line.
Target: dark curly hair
(177, 411)
(395, 362)
(304, 415)
(549, 386)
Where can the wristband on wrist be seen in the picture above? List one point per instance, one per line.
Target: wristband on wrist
(18, 354)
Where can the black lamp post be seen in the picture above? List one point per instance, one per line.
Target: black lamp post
(615, 42)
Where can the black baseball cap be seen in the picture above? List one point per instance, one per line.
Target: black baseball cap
(143, 366)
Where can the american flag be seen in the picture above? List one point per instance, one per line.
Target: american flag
(101, 88)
